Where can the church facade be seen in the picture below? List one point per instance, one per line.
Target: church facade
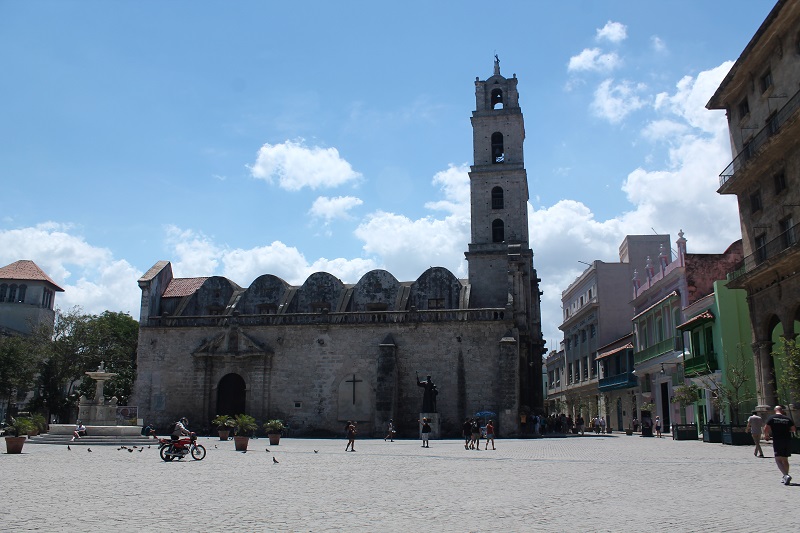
(324, 352)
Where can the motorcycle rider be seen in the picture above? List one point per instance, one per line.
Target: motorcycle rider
(180, 429)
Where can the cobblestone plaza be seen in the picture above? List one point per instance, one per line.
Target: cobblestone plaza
(605, 483)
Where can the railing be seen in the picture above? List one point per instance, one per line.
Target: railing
(784, 241)
(659, 348)
(366, 317)
(620, 381)
(700, 364)
(749, 150)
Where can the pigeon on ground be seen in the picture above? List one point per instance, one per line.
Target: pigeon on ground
(89, 450)
(266, 449)
(215, 446)
(316, 451)
(141, 450)
(274, 460)
(244, 451)
(68, 448)
(130, 450)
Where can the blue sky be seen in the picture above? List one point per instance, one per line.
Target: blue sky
(244, 138)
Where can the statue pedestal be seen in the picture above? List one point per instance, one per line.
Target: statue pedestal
(433, 421)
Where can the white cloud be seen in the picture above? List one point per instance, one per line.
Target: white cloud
(454, 184)
(658, 44)
(332, 208)
(103, 282)
(593, 60)
(296, 166)
(615, 102)
(614, 32)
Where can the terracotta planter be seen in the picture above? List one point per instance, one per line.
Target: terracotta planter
(224, 434)
(274, 438)
(14, 444)
(241, 443)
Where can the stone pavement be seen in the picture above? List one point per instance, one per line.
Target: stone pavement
(597, 483)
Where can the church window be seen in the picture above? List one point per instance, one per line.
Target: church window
(498, 154)
(498, 231)
(780, 182)
(47, 298)
(3, 292)
(267, 309)
(435, 303)
(497, 198)
(497, 98)
(21, 295)
(744, 108)
(12, 293)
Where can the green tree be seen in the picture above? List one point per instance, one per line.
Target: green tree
(788, 354)
(18, 366)
(77, 343)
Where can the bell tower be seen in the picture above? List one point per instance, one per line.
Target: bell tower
(501, 272)
(498, 190)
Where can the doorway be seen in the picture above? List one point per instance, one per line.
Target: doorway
(231, 395)
(665, 410)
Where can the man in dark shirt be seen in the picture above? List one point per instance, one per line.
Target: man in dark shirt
(780, 427)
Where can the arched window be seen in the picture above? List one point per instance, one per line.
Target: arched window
(498, 154)
(497, 198)
(498, 231)
(21, 296)
(12, 293)
(497, 98)
(3, 292)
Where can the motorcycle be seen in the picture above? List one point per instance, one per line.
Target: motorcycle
(178, 449)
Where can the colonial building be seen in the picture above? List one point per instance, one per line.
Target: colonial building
(761, 100)
(596, 312)
(659, 298)
(718, 357)
(27, 298)
(324, 352)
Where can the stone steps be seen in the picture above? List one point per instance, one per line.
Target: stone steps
(98, 440)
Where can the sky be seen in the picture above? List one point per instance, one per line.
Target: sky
(254, 137)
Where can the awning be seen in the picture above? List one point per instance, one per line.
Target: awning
(705, 316)
(615, 350)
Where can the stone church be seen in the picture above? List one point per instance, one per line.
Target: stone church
(324, 352)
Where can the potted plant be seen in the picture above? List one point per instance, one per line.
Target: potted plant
(244, 425)
(39, 422)
(274, 429)
(223, 423)
(21, 427)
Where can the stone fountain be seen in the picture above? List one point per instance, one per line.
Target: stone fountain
(98, 415)
(97, 412)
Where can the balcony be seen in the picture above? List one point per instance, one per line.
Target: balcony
(785, 241)
(659, 348)
(626, 380)
(749, 150)
(700, 364)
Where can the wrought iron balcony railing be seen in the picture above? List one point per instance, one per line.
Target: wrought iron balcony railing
(659, 348)
(625, 380)
(700, 364)
(750, 149)
(786, 240)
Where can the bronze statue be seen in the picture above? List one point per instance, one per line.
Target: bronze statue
(429, 396)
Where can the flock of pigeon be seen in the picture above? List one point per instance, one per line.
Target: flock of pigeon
(141, 449)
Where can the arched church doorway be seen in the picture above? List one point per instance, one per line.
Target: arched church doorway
(231, 395)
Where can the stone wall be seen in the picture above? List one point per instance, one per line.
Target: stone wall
(317, 376)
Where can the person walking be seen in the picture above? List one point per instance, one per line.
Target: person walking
(780, 427)
(466, 429)
(476, 434)
(490, 434)
(658, 427)
(351, 436)
(755, 425)
(391, 431)
(580, 422)
(426, 431)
